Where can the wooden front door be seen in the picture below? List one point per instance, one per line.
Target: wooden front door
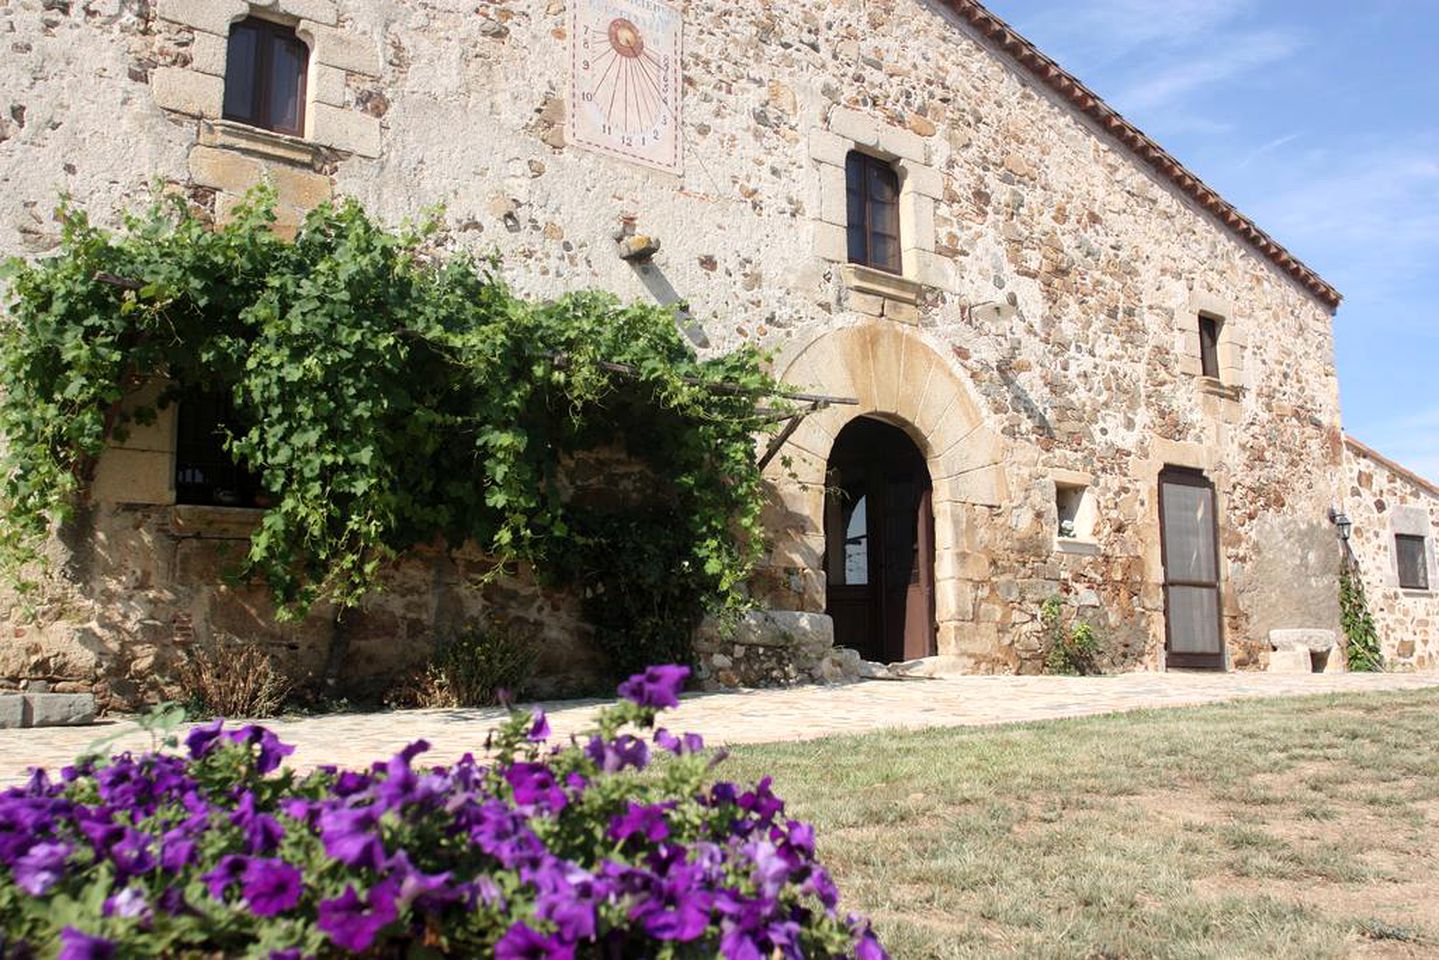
(1189, 539)
(879, 544)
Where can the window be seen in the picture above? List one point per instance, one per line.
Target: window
(205, 473)
(1074, 509)
(1413, 563)
(265, 76)
(873, 212)
(1209, 345)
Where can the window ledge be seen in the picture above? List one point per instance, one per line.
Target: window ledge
(891, 286)
(225, 523)
(228, 134)
(1218, 388)
(1416, 593)
(1076, 546)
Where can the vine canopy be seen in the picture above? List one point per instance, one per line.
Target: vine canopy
(394, 392)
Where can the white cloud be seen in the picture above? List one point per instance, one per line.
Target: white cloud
(1166, 80)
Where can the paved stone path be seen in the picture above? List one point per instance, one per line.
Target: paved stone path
(752, 716)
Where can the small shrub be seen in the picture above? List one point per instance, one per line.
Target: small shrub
(234, 678)
(1072, 652)
(473, 669)
(547, 851)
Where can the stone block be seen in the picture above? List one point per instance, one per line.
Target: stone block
(923, 180)
(827, 148)
(771, 628)
(901, 312)
(299, 188)
(831, 242)
(328, 83)
(345, 130)
(12, 711)
(60, 709)
(902, 143)
(324, 11)
(833, 196)
(1313, 640)
(212, 16)
(866, 303)
(1291, 661)
(224, 169)
(187, 91)
(207, 54)
(855, 127)
(345, 49)
(134, 476)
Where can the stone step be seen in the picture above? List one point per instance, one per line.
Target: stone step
(19, 710)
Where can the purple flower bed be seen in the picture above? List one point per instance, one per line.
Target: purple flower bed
(544, 851)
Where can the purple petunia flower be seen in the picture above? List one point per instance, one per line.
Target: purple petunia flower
(868, 948)
(353, 923)
(75, 945)
(658, 686)
(41, 868)
(351, 836)
(201, 738)
(535, 786)
(228, 872)
(647, 820)
(129, 903)
(690, 743)
(272, 751)
(522, 943)
(271, 886)
(612, 756)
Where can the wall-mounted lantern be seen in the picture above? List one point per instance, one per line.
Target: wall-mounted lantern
(1342, 524)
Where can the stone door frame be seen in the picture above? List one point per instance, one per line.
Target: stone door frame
(905, 378)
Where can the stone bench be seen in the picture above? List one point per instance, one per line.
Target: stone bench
(1305, 650)
(20, 710)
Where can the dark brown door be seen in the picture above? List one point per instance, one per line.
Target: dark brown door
(879, 533)
(1189, 538)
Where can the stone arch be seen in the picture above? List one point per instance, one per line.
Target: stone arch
(902, 377)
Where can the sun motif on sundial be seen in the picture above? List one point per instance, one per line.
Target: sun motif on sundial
(625, 79)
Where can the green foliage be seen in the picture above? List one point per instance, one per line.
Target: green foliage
(1361, 636)
(1071, 652)
(395, 396)
(477, 668)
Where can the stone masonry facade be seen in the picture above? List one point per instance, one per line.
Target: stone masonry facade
(1040, 342)
(1386, 501)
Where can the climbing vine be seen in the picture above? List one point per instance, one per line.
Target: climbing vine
(395, 394)
(1361, 635)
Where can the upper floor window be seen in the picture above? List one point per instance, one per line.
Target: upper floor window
(1209, 345)
(265, 76)
(1413, 563)
(873, 215)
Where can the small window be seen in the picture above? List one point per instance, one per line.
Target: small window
(1413, 564)
(1074, 509)
(205, 473)
(1209, 345)
(265, 76)
(873, 195)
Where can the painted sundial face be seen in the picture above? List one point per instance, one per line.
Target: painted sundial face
(625, 80)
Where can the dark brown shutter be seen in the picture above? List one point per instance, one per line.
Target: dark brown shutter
(1413, 564)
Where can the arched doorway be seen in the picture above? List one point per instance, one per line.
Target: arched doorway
(879, 543)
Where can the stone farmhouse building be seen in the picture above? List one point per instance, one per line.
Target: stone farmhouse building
(1076, 370)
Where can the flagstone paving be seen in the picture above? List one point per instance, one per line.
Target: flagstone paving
(749, 716)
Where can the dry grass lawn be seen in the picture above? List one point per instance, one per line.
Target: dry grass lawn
(1296, 828)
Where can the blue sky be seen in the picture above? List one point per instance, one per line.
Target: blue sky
(1319, 119)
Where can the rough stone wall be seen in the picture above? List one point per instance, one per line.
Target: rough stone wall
(1383, 499)
(1049, 272)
